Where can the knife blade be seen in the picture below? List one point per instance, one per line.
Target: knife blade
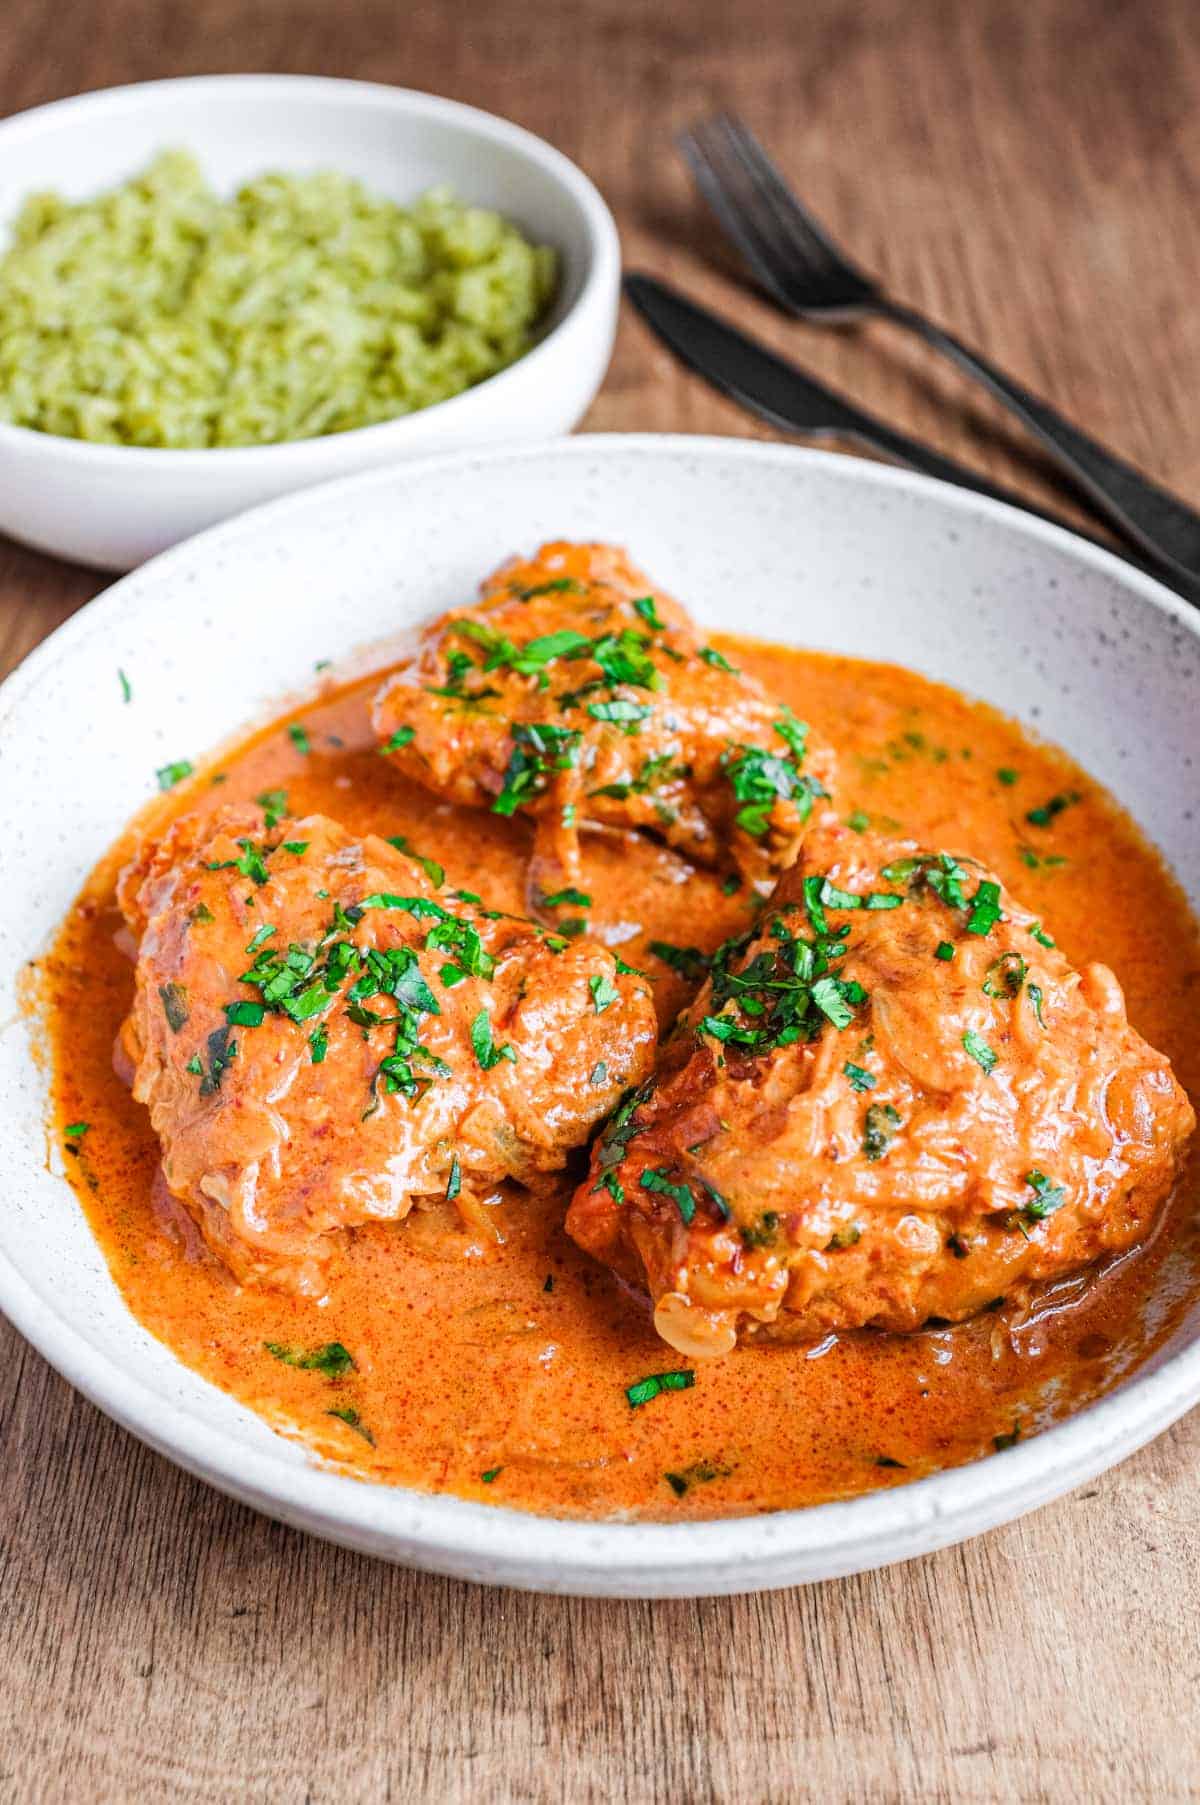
(787, 397)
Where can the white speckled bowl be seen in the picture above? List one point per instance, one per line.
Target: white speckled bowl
(116, 505)
(794, 545)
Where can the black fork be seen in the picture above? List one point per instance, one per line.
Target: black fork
(801, 268)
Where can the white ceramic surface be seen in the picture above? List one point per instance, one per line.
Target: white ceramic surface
(794, 545)
(115, 506)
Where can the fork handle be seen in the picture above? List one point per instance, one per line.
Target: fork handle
(1157, 521)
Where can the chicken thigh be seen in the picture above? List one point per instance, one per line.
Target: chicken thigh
(321, 1036)
(577, 694)
(892, 1101)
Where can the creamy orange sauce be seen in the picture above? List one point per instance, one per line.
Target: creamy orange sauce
(496, 1347)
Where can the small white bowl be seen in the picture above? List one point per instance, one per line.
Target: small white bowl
(114, 506)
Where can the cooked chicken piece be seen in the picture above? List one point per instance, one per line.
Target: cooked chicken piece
(321, 1037)
(576, 693)
(893, 1101)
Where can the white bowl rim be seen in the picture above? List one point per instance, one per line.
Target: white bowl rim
(502, 1545)
(602, 272)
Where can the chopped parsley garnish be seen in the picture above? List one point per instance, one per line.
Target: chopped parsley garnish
(274, 804)
(979, 1051)
(221, 1052)
(688, 961)
(985, 908)
(454, 1182)
(1047, 812)
(533, 657)
(402, 737)
(763, 1232)
(663, 768)
(718, 660)
(647, 607)
(298, 734)
(943, 950)
(655, 1383)
(1041, 936)
(1047, 1197)
(318, 1044)
(126, 687)
(789, 989)
(628, 716)
(433, 871)
(557, 586)
(614, 1141)
(1007, 776)
(538, 751)
(858, 822)
(829, 996)
(245, 1015)
(1005, 976)
(486, 1052)
(604, 992)
(731, 885)
(834, 898)
(1009, 1440)
(759, 779)
(169, 775)
(682, 1194)
(844, 1238)
(1041, 861)
(76, 1130)
(885, 1460)
(860, 1078)
(348, 1415)
(624, 658)
(296, 847)
(793, 733)
(332, 1359)
(174, 998)
(701, 1472)
(492, 1474)
(578, 899)
(879, 1129)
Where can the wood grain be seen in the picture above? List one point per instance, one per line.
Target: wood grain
(1030, 174)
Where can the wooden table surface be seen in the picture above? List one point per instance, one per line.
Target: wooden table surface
(1032, 175)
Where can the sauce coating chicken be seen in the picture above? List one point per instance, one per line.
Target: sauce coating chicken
(893, 1101)
(321, 1036)
(576, 693)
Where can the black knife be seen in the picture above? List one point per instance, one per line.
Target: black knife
(784, 395)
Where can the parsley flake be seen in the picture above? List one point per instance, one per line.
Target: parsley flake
(983, 1055)
(486, 1052)
(644, 1390)
(860, 1078)
(604, 992)
(169, 775)
(332, 1360)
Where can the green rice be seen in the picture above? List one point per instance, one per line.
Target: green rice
(161, 314)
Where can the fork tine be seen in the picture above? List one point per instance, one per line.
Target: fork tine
(806, 232)
(738, 212)
(788, 250)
